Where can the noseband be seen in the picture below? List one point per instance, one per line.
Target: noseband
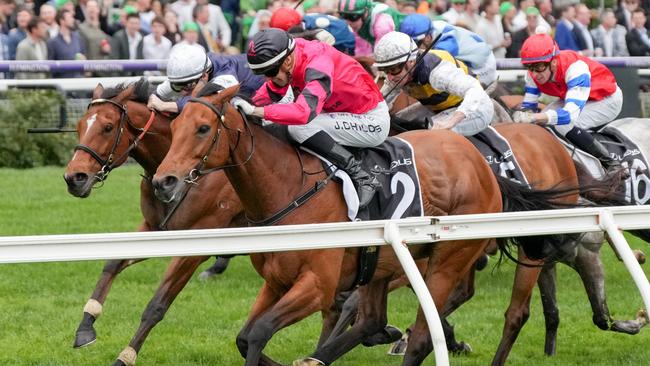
(107, 165)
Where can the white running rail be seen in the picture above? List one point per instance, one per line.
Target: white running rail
(398, 233)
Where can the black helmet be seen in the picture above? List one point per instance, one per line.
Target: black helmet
(268, 49)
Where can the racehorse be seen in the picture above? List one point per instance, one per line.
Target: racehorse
(210, 134)
(116, 125)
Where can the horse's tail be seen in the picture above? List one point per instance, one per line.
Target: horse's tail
(517, 197)
(606, 191)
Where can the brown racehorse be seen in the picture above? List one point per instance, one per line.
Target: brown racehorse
(210, 204)
(268, 174)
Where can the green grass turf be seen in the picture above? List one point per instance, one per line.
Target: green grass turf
(41, 304)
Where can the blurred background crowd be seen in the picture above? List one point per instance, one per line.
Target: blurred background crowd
(147, 29)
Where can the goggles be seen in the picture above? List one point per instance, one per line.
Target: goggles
(394, 69)
(184, 86)
(537, 67)
(351, 16)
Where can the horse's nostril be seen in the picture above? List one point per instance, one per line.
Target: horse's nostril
(169, 182)
(81, 178)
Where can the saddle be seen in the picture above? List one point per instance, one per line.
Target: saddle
(622, 147)
(498, 154)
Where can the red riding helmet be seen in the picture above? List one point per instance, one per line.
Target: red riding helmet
(285, 18)
(538, 48)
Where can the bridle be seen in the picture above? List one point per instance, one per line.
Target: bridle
(108, 164)
(198, 170)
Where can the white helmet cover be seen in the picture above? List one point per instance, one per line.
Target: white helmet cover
(393, 49)
(186, 62)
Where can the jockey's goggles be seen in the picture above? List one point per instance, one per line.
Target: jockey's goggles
(537, 67)
(184, 86)
(351, 16)
(394, 69)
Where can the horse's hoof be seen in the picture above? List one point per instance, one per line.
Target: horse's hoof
(461, 349)
(85, 334)
(84, 338)
(307, 362)
(399, 348)
(118, 363)
(640, 256)
(206, 275)
(387, 335)
(481, 262)
(628, 326)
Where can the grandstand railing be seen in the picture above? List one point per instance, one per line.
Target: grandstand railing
(397, 233)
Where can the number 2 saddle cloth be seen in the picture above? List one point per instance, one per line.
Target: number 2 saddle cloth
(393, 163)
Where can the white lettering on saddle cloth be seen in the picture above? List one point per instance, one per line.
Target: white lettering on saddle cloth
(637, 186)
(403, 162)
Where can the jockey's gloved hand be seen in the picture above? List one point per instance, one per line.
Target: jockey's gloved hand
(523, 117)
(245, 107)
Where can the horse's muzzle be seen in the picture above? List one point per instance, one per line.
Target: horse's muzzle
(79, 184)
(166, 187)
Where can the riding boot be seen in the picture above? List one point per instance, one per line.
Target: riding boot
(586, 142)
(366, 183)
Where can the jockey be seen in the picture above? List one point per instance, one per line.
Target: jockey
(369, 19)
(461, 43)
(442, 85)
(589, 95)
(339, 104)
(188, 64)
(325, 28)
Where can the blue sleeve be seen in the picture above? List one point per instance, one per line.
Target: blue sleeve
(180, 103)
(447, 43)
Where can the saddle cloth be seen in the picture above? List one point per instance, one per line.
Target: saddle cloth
(498, 154)
(622, 148)
(400, 196)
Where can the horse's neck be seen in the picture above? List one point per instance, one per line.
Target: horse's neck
(270, 179)
(153, 147)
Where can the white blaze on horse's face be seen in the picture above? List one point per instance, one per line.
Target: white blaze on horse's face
(90, 121)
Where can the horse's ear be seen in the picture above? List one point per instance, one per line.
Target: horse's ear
(126, 93)
(228, 93)
(97, 93)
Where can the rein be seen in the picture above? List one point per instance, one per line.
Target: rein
(108, 164)
(198, 170)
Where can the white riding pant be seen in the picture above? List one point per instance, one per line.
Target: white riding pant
(468, 126)
(348, 129)
(594, 114)
(486, 73)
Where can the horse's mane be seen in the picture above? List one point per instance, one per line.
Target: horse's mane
(142, 90)
(276, 130)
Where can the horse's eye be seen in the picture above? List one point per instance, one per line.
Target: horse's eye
(203, 129)
(108, 128)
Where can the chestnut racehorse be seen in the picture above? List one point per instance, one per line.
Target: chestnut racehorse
(268, 174)
(112, 123)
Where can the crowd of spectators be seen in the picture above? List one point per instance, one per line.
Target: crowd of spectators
(147, 29)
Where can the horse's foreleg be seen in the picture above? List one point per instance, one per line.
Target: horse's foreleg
(546, 283)
(346, 316)
(178, 273)
(519, 309)
(304, 298)
(448, 265)
(86, 334)
(371, 319)
(265, 299)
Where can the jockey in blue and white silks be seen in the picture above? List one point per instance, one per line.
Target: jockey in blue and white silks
(461, 43)
(343, 37)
